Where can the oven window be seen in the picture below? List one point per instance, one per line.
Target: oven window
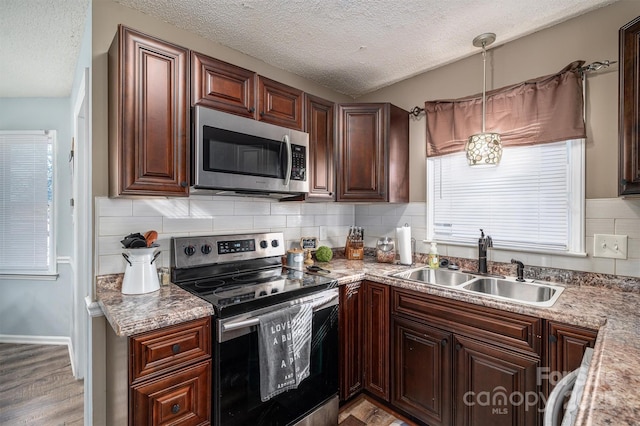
(237, 379)
(231, 152)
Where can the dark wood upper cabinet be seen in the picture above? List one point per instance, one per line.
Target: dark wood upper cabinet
(373, 153)
(320, 124)
(148, 116)
(629, 109)
(279, 104)
(222, 86)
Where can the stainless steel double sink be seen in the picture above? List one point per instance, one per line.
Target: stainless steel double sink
(535, 293)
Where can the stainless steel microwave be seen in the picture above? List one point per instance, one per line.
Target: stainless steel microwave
(239, 156)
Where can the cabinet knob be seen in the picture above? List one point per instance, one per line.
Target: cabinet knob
(458, 346)
(175, 348)
(553, 338)
(261, 113)
(175, 408)
(252, 109)
(184, 184)
(444, 342)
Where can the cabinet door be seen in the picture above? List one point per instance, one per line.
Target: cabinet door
(319, 124)
(566, 346)
(376, 336)
(350, 321)
(629, 110)
(361, 167)
(279, 104)
(222, 86)
(494, 386)
(422, 371)
(148, 116)
(180, 398)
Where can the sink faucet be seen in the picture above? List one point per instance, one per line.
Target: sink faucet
(483, 244)
(520, 270)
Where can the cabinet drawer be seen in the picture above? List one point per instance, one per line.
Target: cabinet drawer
(180, 398)
(170, 348)
(506, 329)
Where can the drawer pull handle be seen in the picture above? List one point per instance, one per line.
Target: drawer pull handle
(175, 409)
(175, 348)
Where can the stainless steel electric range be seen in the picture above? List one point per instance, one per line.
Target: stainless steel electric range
(243, 278)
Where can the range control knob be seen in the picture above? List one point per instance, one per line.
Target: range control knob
(205, 249)
(274, 243)
(274, 290)
(263, 293)
(189, 250)
(264, 244)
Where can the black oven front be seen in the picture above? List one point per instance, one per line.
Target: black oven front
(236, 380)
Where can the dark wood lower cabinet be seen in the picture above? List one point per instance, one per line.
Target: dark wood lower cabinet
(494, 386)
(566, 346)
(180, 398)
(376, 339)
(351, 336)
(422, 371)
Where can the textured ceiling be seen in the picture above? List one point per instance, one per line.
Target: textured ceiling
(39, 46)
(351, 46)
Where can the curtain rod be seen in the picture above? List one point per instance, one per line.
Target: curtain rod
(592, 67)
(595, 66)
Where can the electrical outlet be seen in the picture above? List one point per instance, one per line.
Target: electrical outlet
(323, 233)
(611, 246)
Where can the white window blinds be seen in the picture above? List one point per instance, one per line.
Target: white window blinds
(532, 201)
(26, 202)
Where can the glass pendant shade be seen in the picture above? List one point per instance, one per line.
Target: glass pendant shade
(483, 149)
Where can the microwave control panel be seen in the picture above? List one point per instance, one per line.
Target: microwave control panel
(299, 162)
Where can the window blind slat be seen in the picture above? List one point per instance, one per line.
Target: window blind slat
(26, 201)
(524, 202)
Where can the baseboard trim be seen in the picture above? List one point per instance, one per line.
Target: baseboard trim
(43, 340)
(35, 340)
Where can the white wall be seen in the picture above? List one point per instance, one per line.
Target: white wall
(42, 308)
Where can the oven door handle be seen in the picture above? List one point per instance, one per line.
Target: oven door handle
(237, 325)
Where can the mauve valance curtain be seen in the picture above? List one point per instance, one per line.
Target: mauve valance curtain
(546, 109)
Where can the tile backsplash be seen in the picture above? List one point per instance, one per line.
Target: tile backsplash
(209, 215)
(329, 222)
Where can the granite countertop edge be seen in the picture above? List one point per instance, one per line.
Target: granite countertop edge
(611, 395)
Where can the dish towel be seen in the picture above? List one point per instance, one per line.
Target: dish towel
(284, 348)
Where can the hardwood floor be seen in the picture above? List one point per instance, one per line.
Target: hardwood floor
(364, 411)
(37, 386)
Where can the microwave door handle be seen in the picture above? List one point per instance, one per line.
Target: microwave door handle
(287, 175)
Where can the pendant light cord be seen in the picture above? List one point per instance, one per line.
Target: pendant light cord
(484, 82)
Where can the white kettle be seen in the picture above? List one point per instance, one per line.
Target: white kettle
(140, 274)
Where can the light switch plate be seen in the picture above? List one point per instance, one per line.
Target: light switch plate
(611, 246)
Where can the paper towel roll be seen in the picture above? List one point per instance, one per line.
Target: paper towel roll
(404, 244)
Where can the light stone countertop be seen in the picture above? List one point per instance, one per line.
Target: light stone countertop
(134, 314)
(612, 393)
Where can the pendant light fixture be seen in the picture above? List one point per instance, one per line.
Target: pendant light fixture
(484, 149)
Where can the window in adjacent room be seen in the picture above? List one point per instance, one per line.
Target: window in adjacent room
(27, 244)
(533, 201)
